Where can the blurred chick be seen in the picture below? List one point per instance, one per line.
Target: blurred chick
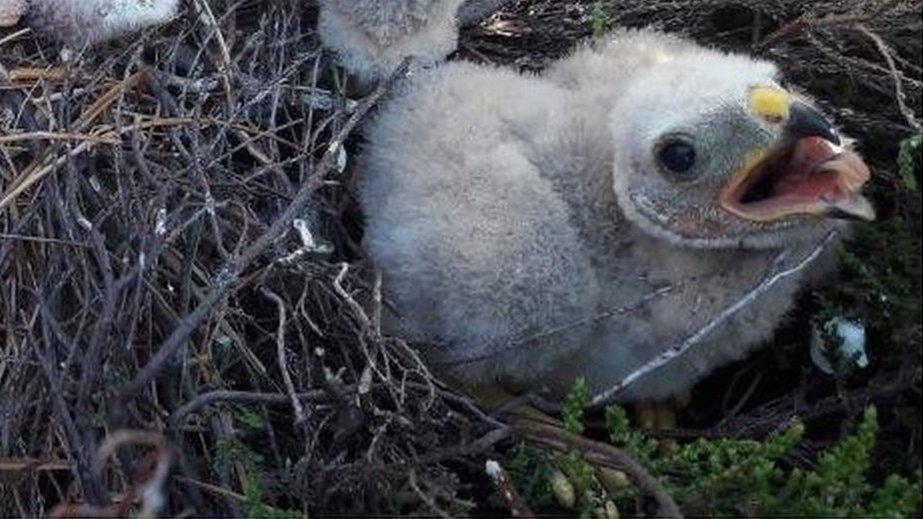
(532, 229)
(80, 22)
(11, 11)
(371, 37)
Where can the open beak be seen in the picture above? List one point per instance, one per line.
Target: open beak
(808, 173)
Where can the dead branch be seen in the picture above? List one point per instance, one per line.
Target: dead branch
(514, 502)
(600, 454)
(232, 272)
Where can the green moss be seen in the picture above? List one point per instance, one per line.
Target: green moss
(572, 412)
(740, 477)
(599, 21)
(530, 470)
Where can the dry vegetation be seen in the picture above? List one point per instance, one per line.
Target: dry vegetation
(182, 285)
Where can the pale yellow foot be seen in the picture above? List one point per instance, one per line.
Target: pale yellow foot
(660, 415)
(646, 414)
(683, 398)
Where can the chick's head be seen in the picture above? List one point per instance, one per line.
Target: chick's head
(711, 151)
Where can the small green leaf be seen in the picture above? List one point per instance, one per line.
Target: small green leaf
(572, 412)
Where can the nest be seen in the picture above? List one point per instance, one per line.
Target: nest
(181, 275)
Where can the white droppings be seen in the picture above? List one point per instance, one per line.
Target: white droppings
(224, 341)
(308, 243)
(341, 159)
(83, 222)
(209, 203)
(304, 231)
(160, 222)
(66, 54)
(492, 468)
(365, 381)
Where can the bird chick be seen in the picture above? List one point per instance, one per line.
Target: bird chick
(532, 229)
(371, 37)
(11, 11)
(79, 22)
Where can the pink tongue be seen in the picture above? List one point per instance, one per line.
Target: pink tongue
(816, 170)
(851, 170)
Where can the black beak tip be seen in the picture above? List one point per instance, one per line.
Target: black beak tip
(805, 121)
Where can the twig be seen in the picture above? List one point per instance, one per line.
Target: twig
(213, 489)
(280, 354)
(230, 274)
(474, 12)
(150, 491)
(696, 337)
(29, 179)
(479, 445)
(600, 454)
(53, 136)
(899, 94)
(808, 22)
(506, 489)
(246, 397)
(430, 502)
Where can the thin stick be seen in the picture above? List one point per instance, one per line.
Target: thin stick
(899, 94)
(54, 136)
(244, 397)
(280, 354)
(696, 337)
(229, 275)
(474, 12)
(512, 498)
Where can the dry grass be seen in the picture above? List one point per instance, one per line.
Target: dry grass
(153, 276)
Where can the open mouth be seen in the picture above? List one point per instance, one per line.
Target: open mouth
(806, 176)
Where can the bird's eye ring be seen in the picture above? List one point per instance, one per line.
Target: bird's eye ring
(677, 157)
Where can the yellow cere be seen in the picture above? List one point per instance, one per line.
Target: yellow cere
(769, 103)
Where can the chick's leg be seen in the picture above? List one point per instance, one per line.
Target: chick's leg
(496, 398)
(661, 414)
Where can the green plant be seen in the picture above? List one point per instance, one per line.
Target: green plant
(910, 148)
(572, 412)
(741, 477)
(530, 469)
(598, 20)
(879, 283)
(232, 450)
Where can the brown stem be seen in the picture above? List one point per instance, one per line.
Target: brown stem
(603, 455)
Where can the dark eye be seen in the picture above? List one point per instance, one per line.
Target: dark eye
(678, 157)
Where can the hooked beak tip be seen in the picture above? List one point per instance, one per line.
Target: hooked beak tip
(806, 121)
(856, 208)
